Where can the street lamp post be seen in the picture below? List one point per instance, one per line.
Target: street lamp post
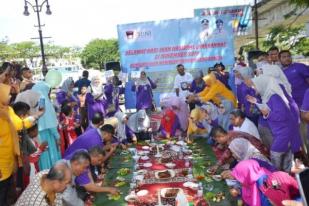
(38, 8)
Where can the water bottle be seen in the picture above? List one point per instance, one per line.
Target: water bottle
(200, 190)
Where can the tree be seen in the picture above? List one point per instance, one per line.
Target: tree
(99, 51)
(300, 3)
(26, 50)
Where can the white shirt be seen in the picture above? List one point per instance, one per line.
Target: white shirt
(249, 127)
(179, 80)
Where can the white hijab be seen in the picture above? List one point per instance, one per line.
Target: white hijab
(275, 72)
(267, 86)
(137, 126)
(242, 149)
(31, 98)
(121, 127)
(97, 89)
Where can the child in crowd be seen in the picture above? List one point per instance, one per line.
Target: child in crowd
(83, 107)
(33, 157)
(67, 127)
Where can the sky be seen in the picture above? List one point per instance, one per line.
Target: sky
(76, 22)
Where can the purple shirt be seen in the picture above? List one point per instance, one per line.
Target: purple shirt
(197, 88)
(83, 179)
(112, 97)
(305, 107)
(95, 105)
(86, 141)
(282, 125)
(297, 74)
(144, 95)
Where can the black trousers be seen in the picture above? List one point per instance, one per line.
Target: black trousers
(5, 186)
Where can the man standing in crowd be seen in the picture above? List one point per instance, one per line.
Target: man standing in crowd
(273, 54)
(297, 74)
(84, 81)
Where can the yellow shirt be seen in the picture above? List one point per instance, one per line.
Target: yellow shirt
(7, 156)
(216, 92)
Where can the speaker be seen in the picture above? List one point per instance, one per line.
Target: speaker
(112, 66)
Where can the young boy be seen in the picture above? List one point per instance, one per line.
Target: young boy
(83, 107)
(26, 75)
(34, 157)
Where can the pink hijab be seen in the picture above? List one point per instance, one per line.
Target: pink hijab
(182, 111)
(247, 172)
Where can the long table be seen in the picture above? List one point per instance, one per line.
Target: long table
(203, 158)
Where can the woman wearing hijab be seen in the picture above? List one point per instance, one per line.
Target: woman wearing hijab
(214, 91)
(65, 94)
(112, 91)
(197, 126)
(276, 110)
(48, 125)
(31, 98)
(124, 134)
(224, 110)
(144, 96)
(181, 110)
(197, 84)
(95, 100)
(222, 75)
(169, 124)
(9, 146)
(139, 123)
(261, 187)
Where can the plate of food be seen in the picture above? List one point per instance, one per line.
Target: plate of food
(119, 183)
(147, 164)
(142, 193)
(170, 193)
(130, 198)
(217, 178)
(191, 185)
(144, 158)
(170, 165)
(165, 174)
(141, 172)
(145, 147)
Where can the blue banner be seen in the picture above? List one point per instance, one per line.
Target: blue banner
(158, 47)
(241, 16)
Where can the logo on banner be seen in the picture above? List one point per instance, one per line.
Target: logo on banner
(139, 35)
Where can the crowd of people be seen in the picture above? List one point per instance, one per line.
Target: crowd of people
(55, 151)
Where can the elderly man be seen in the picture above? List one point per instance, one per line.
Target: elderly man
(47, 187)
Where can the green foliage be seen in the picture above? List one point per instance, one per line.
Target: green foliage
(300, 3)
(25, 50)
(99, 51)
(291, 38)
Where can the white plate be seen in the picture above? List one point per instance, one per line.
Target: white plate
(172, 173)
(142, 172)
(147, 164)
(181, 143)
(217, 177)
(164, 190)
(170, 165)
(191, 185)
(231, 183)
(145, 147)
(145, 158)
(139, 177)
(142, 193)
(158, 155)
(130, 198)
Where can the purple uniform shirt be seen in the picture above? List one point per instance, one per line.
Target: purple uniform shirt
(93, 105)
(144, 95)
(86, 141)
(297, 74)
(305, 107)
(282, 125)
(197, 88)
(112, 97)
